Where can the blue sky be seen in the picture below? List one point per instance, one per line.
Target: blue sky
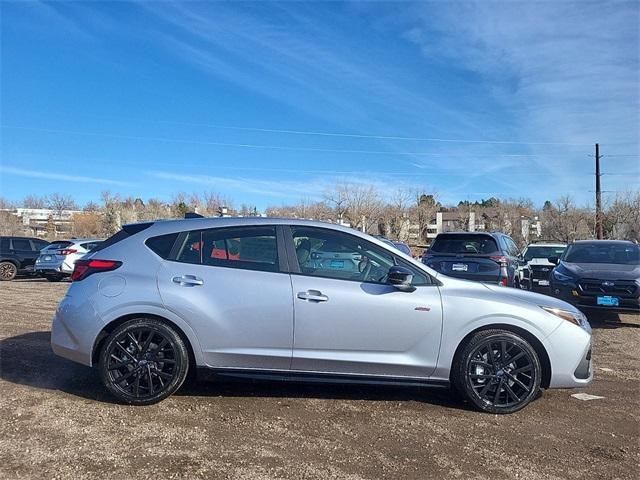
(270, 103)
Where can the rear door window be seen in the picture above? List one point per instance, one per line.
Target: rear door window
(21, 244)
(464, 244)
(248, 248)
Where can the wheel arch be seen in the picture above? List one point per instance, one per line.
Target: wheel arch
(537, 345)
(11, 260)
(111, 326)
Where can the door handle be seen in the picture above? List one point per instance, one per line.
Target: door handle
(188, 281)
(313, 296)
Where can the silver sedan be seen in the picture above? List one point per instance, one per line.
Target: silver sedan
(290, 299)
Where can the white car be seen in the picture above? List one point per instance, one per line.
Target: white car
(534, 273)
(58, 259)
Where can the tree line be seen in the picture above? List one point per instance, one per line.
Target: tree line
(403, 215)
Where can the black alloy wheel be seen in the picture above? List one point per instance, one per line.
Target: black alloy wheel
(498, 371)
(8, 271)
(143, 361)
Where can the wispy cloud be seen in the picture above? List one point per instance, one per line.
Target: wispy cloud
(290, 190)
(61, 177)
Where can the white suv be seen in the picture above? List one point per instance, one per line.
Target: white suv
(57, 260)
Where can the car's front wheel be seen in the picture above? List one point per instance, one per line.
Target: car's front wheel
(498, 371)
(143, 361)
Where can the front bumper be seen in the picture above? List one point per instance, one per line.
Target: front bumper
(570, 293)
(570, 354)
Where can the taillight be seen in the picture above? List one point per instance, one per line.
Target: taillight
(66, 251)
(84, 268)
(501, 259)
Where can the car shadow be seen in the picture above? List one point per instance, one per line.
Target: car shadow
(27, 359)
(604, 319)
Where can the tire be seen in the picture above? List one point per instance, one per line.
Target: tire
(8, 271)
(498, 371)
(143, 361)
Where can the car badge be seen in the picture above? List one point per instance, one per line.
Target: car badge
(545, 269)
(608, 284)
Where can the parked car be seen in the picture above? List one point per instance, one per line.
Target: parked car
(599, 274)
(18, 255)
(58, 259)
(403, 247)
(481, 256)
(146, 310)
(535, 273)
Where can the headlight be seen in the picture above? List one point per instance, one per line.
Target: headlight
(577, 318)
(561, 277)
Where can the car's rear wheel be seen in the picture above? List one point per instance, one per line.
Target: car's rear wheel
(498, 371)
(143, 361)
(8, 271)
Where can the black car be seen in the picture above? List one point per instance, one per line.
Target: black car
(482, 256)
(599, 274)
(18, 255)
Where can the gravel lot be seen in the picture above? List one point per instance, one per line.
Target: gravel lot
(56, 421)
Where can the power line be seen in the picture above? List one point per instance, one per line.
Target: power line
(268, 147)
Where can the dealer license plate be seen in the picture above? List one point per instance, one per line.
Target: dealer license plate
(608, 301)
(459, 267)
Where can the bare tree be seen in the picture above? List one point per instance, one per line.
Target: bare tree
(424, 212)
(564, 222)
(86, 224)
(34, 201)
(6, 204)
(10, 224)
(622, 217)
(59, 203)
(395, 216)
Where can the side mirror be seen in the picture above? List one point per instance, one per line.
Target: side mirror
(401, 278)
(554, 260)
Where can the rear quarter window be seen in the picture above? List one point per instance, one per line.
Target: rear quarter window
(162, 244)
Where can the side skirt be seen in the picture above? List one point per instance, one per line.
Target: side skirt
(317, 377)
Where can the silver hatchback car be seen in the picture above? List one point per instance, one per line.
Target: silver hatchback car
(250, 297)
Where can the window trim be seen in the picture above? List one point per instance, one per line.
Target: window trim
(293, 258)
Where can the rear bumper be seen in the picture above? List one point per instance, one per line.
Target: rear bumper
(74, 329)
(58, 267)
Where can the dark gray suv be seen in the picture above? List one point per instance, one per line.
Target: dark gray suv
(481, 256)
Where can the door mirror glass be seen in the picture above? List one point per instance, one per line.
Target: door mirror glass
(554, 260)
(401, 278)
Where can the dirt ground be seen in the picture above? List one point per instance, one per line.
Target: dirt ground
(56, 420)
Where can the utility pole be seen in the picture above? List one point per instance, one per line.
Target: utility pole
(598, 196)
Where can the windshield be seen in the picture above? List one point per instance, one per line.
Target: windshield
(543, 252)
(469, 244)
(615, 253)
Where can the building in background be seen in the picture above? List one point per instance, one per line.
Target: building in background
(40, 222)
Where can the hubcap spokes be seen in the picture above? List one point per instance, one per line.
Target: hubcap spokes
(501, 373)
(7, 271)
(141, 363)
